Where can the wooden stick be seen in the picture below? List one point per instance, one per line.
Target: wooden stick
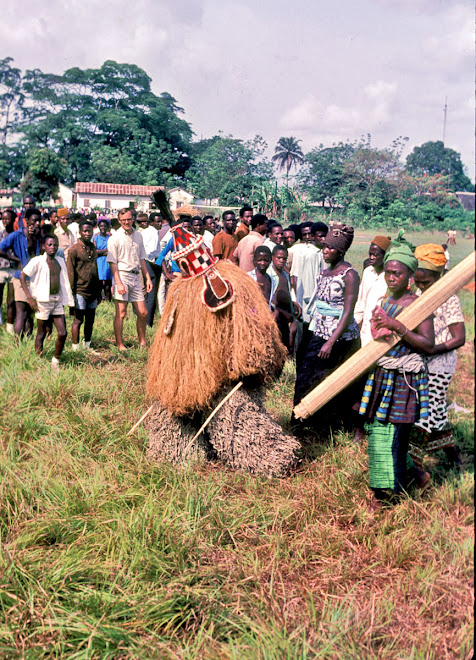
(212, 415)
(146, 414)
(411, 317)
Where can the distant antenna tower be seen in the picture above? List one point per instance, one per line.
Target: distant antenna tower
(445, 111)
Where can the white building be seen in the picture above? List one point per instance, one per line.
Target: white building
(117, 196)
(114, 196)
(65, 196)
(179, 197)
(6, 198)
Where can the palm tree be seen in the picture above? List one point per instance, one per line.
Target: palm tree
(288, 153)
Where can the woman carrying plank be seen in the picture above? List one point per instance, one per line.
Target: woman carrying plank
(396, 393)
(434, 432)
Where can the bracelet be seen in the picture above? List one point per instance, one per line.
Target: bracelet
(403, 334)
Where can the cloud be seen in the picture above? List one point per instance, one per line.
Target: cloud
(372, 110)
(322, 71)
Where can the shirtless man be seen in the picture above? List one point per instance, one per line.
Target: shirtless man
(261, 262)
(47, 291)
(284, 308)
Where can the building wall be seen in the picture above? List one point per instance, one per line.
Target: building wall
(113, 202)
(178, 198)
(6, 201)
(66, 196)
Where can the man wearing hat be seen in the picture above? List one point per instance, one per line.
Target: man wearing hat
(65, 236)
(372, 287)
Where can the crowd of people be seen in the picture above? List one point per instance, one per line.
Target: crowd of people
(323, 310)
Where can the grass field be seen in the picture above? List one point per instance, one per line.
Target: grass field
(104, 555)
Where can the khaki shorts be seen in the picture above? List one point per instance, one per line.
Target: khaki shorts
(51, 308)
(131, 281)
(6, 275)
(20, 295)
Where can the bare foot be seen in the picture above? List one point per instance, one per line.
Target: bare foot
(375, 505)
(359, 435)
(422, 478)
(121, 347)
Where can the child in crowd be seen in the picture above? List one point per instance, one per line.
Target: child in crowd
(47, 291)
(261, 262)
(84, 280)
(104, 270)
(284, 308)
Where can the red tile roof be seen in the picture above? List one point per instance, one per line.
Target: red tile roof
(115, 189)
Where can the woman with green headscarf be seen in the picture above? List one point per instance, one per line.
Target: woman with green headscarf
(396, 393)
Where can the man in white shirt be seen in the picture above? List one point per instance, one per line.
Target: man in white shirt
(372, 287)
(126, 256)
(150, 237)
(275, 235)
(307, 263)
(74, 225)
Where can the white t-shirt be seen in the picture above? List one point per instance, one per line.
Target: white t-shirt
(372, 290)
(38, 271)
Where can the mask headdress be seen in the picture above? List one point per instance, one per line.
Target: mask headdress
(195, 260)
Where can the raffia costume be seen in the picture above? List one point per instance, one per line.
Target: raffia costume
(216, 330)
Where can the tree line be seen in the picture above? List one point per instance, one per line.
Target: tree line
(107, 125)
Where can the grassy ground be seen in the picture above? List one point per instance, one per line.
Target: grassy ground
(104, 555)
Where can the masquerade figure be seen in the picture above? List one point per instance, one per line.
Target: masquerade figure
(216, 331)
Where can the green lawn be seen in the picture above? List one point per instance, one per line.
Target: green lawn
(104, 555)
(360, 247)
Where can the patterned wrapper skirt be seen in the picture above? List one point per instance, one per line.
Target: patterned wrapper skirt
(434, 432)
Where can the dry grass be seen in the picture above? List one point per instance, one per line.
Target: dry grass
(107, 555)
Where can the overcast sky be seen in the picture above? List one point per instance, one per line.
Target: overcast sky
(318, 70)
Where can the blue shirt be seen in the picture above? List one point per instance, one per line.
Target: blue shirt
(168, 248)
(104, 270)
(18, 242)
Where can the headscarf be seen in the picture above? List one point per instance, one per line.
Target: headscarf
(340, 237)
(431, 257)
(62, 212)
(383, 242)
(401, 250)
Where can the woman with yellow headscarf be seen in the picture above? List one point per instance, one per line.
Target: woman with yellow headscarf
(434, 432)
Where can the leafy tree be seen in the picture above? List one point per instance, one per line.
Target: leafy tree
(82, 111)
(229, 168)
(323, 174)
(46, 169)
(371, 177)
(11, 97)
(288, 154)
(433, 158)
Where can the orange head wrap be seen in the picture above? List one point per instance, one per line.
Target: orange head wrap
(431, 257)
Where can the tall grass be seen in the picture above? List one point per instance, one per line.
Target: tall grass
(105, 555)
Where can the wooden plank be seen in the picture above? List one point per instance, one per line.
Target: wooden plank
(411, 317)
